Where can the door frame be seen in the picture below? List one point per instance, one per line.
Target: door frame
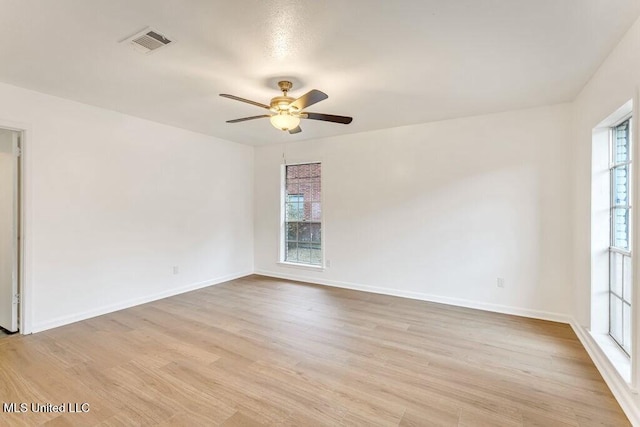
(24, 242)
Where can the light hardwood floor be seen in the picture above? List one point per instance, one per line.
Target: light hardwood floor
(260, 351)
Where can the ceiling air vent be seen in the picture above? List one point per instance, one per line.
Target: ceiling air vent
(148, 41)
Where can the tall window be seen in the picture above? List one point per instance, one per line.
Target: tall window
(620, 232)
(303, 214)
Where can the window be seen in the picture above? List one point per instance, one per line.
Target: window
(620, 235)
(303, 214)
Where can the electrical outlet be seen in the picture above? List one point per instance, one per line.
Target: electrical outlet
(500, 282)
(176, 270)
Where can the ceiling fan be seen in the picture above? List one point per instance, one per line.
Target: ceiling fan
(287, 111)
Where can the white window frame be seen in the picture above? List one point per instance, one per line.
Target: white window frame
(613, 164)
(626, 368)
(283, 229)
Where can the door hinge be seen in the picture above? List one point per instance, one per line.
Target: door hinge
(18, 151)
(16, 299)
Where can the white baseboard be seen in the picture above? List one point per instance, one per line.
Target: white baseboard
(618, 386)
(459, 302)
(65, 320)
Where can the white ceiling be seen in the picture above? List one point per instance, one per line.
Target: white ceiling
(386, 63)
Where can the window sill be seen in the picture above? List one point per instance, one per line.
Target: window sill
(616, 356)
(301, 266)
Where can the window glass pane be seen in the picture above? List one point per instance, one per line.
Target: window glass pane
(293, 172)
(619, 176)
(615, 322)
(316, 211)
(620, 227)
(315, 232)
(314, 170)
(315, 191)
(307, 211)
(305, 189)
(626, 327)
(626, 280)
(292, 252)
(621, 152)
(303, 171)
(316, 254)
(290, 212)
(293, 191)
(292, 231)
(304, 253)
(294, 211)
(615, 272)
(304, 232)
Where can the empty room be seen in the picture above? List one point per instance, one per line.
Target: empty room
(319, 213)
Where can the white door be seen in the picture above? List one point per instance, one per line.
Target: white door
(9, 188)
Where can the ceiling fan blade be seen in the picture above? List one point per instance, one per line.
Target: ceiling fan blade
(248, 101)
(244, 119)
(327, 118)
(309, 98)
(295, 130)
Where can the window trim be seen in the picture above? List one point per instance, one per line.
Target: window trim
(282, 240)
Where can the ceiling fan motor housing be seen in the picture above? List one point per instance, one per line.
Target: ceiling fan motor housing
(281, 103)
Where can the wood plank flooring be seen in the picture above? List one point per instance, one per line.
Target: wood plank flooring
(260, 351)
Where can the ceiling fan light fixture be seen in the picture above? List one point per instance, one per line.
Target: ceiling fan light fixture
(284, 121)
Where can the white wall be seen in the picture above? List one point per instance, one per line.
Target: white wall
(615, 83)
(6, 141)
(439, 210)
(114, 202)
